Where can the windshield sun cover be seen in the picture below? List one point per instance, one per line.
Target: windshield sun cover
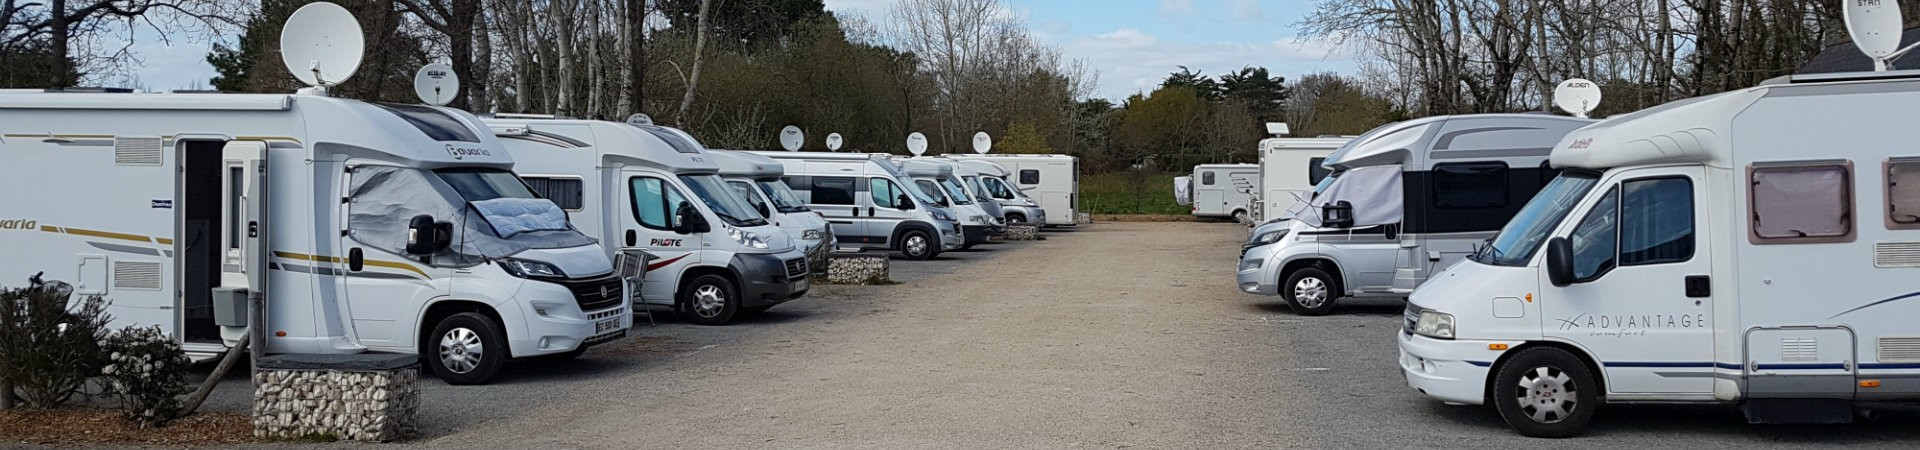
(1374, 192)
(383, 199)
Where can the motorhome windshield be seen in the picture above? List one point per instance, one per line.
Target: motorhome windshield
(782, 196)
(979, 191)
(959, 194)
(1522, 236)
(725, 204)
(926, 188)
(477, 184)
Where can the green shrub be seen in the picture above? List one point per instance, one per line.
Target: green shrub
(49, 347)
(1129, 193)
(147, 371)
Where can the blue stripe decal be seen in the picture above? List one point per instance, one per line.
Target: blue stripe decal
(1480, 363)
(1803, 366)
(1889, 366)
(1732, 366)
(1870, 305)
(1659, 364)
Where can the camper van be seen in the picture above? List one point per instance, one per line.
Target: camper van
(1224, 191)
(1052, 180)
(656, 189)
(1289, 169)
(866, 200)
(365, 227)
(1400, 201)
(756, 178)
(966, 182)
(936, 180)
(1755, 247)
(1015, 206)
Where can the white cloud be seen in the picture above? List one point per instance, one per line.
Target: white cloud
(1122, 39)
(1131, 61)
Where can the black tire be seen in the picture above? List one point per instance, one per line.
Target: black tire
(1240, 216)
(926, 244)
(1310, 292)
(1017, 218)
(449, 350)
(1542, 410)
(710, 300)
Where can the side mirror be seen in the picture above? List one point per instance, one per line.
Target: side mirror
(426, 237)
(1560, 262)
(904, 202)
(1337, 215)
(689, 221)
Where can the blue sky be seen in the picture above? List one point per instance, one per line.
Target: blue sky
(1132, 44)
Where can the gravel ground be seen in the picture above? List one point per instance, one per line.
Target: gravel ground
(1111, 335)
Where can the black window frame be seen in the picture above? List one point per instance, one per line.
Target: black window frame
(1024, 176)
(1440, 196)
(815, 186)
(1206, 178)
(543, 185)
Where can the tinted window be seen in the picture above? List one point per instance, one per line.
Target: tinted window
(1594, 240)
(1656, 221)
(832, 190)
(932, 189)
(885, 193)
(569, 193)
(1801, 203)
(1470, 186)
(998, 189)
(1206, 178)
(437, 125)
(1029, 176)
(1315, 172)
(746, 191)
(485, 184)
(654, 202)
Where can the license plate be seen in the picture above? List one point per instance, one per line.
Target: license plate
(800, 284)
(606, 325)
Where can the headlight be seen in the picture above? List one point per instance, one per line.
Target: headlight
(1268, 238)
(812, 235)
(942, 215)
(747, 238)
(979, 218)
(530, 269)
(1435, 325)
(1031, 203)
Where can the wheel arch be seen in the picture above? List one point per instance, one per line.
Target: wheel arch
(441, 309)
(900, 231)
(1593, 366)
(693, 272)
(1328, 265)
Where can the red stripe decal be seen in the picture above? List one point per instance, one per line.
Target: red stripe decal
(664, 263)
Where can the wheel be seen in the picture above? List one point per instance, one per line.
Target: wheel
(1240, 216)
(710, 300)
(1310, 292)
(1017, 218)
(918, 246)
(466, 348)
(1545, 392)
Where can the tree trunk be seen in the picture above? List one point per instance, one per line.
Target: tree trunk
(693, 77)
(483, 60)
(460, 46)
(561, 15)
(62, 32)
(595, 80)
(636, 56)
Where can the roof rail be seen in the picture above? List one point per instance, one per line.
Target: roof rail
(1848, 76)
(529, 116)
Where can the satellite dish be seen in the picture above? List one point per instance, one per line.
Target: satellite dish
(791, 138)
(1577, 96)
(982, 142)
(1875, 26)
(917, 143)
(436, 84)
(833, 142)
(640, 119)
(322, 44)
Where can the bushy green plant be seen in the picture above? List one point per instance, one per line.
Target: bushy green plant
(49, 347)
(147, 371)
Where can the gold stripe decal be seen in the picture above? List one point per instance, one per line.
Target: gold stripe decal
(370, 262)
(107, 234)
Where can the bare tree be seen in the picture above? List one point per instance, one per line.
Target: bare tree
(693, 77)
(50, 29)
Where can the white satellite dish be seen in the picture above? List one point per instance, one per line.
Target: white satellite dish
(639, 119)
(322, 44)
(436, 84)
(791, 138)
(982, 142)
(1876, 27)
(833, 142)
(917, 143)
(1577, 96)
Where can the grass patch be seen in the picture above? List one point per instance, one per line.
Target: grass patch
(1124, 193)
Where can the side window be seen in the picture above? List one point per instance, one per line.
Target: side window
(1029, 176)
(930, 188)
(1594, 240)
(654, 202)
(1656, 221)
(1800, 203)
(745, 191)
(1903, 194)
(998, 188)
(885, 194)
(1470, 185)
(1315, 173)
(569, 193)
(1206, 178)
(832, 190)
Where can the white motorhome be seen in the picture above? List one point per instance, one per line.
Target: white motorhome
(1289, 169)
(936, 180)
(1053, 180)
(757, 179)
(866, 199)
(1402, 199)
(366, 227)
(652, 188)
(1224, 191)
(1755, 247)
(993, 184)
(966, 182)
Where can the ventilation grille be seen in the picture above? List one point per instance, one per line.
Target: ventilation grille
(136, 275)
(1799, 349)
(1900, 349)
(136, 151)
(1896, 254)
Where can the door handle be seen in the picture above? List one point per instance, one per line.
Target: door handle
(1699, 286)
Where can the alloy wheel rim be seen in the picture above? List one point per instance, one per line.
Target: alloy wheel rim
(1310, 292)
(1547, 395)
(461, 350)
(708, 300)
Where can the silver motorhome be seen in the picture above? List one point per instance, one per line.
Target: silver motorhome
(757, 179)
(866, 200)
(1403, 200)
(1015, 206)
(937, 180)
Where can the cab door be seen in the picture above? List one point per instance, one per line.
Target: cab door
(1641, 301)
(650, 206)
(886, 210)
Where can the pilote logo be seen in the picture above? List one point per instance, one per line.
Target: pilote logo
(665, 242)
(19, 224)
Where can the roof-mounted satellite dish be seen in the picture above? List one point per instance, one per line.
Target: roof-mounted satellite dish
(1876, 27)
(982, 142)
(322, 44)
(436, 84)
(791, 138)
(917, 143)
(833, 142)
(1577, 97)
(639, 119)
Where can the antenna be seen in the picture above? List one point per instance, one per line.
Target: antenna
(1875, 26)
(917, 143)
(833, 142)
(436, 84)
(982, 142)
(1577, 97)
(791, 138)
(322, 44)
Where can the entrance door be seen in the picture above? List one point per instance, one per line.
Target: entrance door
(243, 219)
(1641, 302)
(651, 205)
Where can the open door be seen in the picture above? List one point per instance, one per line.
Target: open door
(243, 236)
(217, 230)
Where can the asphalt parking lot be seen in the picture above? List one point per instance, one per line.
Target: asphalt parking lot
(1114, 335)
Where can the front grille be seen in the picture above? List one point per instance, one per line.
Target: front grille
(596, 293)
(796, 268)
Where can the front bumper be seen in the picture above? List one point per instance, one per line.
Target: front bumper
(1256, 272)
(1454, 372)
(563, 327)
(771, 279)
(950, 236)
(973, 234)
